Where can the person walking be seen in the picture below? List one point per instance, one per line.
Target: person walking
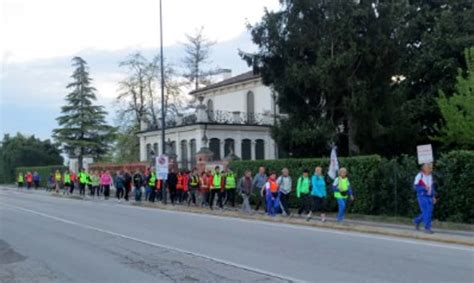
(318, 194)
(303, 188)
(180, 187)
(128, 184)
(258, 184)
(172, 182)
(193, 187)
(67, 182)
(342, 191)
(245, 190)
(95, 183)
(29, 180)
(36, 179)
(83, 177)
(138, 183)
(119, 183)
(106, 181)
(271, 194)
(216, 188)
(58, 179)
(426, 196)
(284, 187)
(73, 181)
(204, 182)
(151, 186)
(20, 180)
(230, 186)
(51, 183)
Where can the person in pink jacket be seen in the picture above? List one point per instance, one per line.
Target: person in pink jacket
(105, 182)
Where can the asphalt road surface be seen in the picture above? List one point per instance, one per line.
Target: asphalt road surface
(48, 239)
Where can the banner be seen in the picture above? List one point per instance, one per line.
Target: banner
(334, 165)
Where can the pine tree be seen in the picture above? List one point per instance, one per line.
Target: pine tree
(83, 130)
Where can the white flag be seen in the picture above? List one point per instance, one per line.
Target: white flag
(334, 166)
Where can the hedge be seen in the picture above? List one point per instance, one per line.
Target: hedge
(43, 171)
(384, 186)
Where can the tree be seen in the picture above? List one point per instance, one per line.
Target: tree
(140, 101)
(458, 110)
(197, 49)
(22, 150)
(83, 130)
(343, 70)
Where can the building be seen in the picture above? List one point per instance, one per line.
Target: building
(233, 118)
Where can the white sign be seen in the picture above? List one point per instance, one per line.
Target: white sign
(162, 167)
(425, 153)
(334, 166)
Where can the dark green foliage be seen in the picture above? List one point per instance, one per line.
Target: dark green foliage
(23, 150)
(43, 171)
(363, 74)
(385, 186)
(83, 130)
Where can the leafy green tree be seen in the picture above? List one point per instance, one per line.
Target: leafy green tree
(22, 150)
(83, 130)
(360, 73)
(458, 110)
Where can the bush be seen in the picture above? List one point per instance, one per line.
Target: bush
(385, 187)
(43, 171)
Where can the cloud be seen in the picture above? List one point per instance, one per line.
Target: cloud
(32, 92)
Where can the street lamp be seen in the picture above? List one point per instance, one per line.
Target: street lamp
(163, 110)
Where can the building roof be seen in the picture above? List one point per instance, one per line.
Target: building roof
(247, 76)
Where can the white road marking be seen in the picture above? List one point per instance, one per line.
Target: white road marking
(85, 226)
(280, 225)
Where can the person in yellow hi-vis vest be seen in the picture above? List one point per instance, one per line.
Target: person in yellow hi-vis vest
(57, 179)
(216, 188)
(83, 180)
(342, 191)
(20, 180)
(230, 185)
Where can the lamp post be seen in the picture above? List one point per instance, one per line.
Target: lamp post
(163, 110)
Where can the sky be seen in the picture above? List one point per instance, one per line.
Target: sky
(39, 38)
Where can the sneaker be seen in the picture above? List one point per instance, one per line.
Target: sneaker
(308, 218)
(323, 220)
(429, 231)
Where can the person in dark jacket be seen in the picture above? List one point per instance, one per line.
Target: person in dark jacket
(119, 183)
(172, 181)
(245, 189)
(137, 184)
(127, 184)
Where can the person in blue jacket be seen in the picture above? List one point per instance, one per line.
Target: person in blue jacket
(318, 194)
(425, 192)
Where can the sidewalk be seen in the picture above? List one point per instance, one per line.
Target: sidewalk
(463, 237)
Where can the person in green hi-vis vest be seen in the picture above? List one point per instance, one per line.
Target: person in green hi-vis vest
(230, 185)
(342, 191)
(20, 180)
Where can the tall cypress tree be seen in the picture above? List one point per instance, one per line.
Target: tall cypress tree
(83, 130)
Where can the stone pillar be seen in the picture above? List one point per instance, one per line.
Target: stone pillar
(252, 150)
(142, 149)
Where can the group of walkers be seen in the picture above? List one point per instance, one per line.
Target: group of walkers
(220, 188)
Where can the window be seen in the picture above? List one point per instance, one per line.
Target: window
(148, 152)
(184, 154)
(210, 109)
(250, 107)
(215, 147)
(192, 147)
(246, 149)
(259, 150)
(229, 146)
(155, 149)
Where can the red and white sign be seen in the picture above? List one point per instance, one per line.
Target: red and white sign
(161, 164)
(425, 153)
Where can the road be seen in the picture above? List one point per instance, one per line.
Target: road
(49, 239)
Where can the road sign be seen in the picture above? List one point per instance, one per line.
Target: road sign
(425, 153)
(162, 167)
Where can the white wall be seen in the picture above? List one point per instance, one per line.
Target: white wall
(234, 98)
